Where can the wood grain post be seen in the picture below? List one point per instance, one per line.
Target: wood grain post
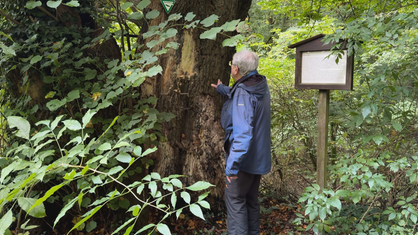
(322, 158)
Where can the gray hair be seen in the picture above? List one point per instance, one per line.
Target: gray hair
(247, 61)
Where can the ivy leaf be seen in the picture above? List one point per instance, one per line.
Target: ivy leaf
(152, 14)
(54, 104)
(209, 20)
(200, 185)
(143, 4)
(21, 124)
(197, 211)
(211, 34)
(190, 16)
(32, 4)
(90, 73)
(162, 228)
(53, 4)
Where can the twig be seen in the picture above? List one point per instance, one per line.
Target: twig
(9, 17)
(48, 13)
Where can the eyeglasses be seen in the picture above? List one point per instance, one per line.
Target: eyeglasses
(230, 63)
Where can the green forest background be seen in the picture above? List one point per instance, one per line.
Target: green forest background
(79, 147)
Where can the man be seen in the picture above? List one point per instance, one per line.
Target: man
(246, 121)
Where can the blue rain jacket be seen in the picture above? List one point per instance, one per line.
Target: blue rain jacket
(246, 121)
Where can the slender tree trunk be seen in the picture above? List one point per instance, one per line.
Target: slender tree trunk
(194, 145)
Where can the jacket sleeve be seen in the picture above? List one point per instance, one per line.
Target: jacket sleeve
(222, 89)
(242, 119)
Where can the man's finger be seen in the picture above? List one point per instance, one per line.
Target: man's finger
(213, 85)
(229, 180)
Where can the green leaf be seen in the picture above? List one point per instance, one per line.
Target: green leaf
(56, 121)
(136, 16)
(140, 188)
(185, 196)
(25, 227)
(211, 34)
(74, 94)
(152, 14)
(53, 4)
(155, 176)
(366, 111)
(335, 202)
(89, 215)
(143, 4)
(204, 204)
(115, 170)
(322, 213)
(87, 117)
(148, 151)
(31, 5)
(21, 124)
(124, 158)
(123, 225)
(190, 16)
(177, 183)
(35, 59)
(73, 3)
(105, 147)
(157, 69)
(96, 179)
(6, 221)
(197, 211)
(65, 209)
(55, 104)
(378, 139)
(209, 20)
(145, 228)
(91, 225)
(162, 228)
(49, 193)
(200, 185)
(27, 203)
(230, 26)
(397, 126)
(73, 125)
(173, 200)
(153, 187)
(126, 5)
(138, 151)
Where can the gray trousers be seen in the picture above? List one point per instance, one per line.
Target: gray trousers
(243, 207)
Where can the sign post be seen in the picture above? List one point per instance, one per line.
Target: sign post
(316, 69)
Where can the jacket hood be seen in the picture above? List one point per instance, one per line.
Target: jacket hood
(256, 85)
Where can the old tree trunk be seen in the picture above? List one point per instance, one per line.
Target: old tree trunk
(195, 136)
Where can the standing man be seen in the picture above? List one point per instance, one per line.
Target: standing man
(246, 121)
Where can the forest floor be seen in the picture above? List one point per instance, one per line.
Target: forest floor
(276, 218)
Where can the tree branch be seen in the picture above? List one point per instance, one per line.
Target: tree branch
(9, 17)
(48, 13)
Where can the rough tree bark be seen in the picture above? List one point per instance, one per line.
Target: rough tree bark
(195, 137)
